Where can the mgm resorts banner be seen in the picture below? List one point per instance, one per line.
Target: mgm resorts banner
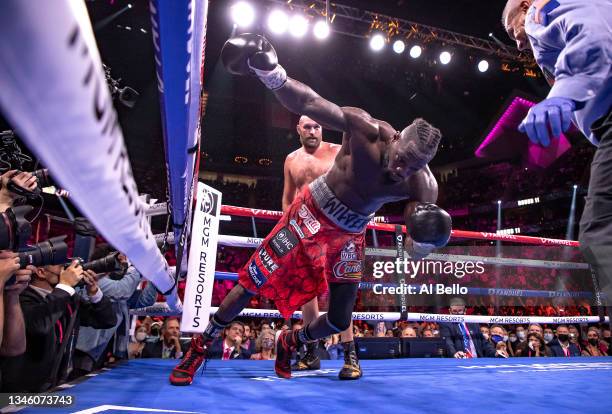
(202, 259)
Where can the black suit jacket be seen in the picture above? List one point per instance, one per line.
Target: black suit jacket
(453, 338)
(155, 349)
(216, 351)
(47, 321)
(557, 351)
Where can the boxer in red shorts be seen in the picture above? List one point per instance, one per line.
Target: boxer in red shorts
(319, 242)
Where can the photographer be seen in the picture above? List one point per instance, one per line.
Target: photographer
(12, 327)
(121, 288)
(21, 179)
(53, 313)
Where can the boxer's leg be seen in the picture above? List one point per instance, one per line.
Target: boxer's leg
(310, 360)
(341, 301)
(231, 306)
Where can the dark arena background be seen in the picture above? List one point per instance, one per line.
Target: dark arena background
(141, 182)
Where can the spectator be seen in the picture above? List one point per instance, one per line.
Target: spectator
(427, 333)
(535, 328)
(389, 333)
(53, 312)
(521, 338)
(561, 345)
(168, 346)
(535, 347)
(12, 325)
(484, 330)
(135, 348)
(408, 332)
(548, 335)
(121, 290)
(228, 345)
(464, 340)
(265, 346)
(499, 339)
(248, 342)
(575, 337)
(594, 346)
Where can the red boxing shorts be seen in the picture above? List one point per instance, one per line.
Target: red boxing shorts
(319, 240)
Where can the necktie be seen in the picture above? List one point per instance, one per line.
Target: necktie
(226, 353)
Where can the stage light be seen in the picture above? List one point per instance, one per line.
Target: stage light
(575, 186)
(398, 46)
(130, 6)
(243, 14)
(498, 201)
(483, 66)
(278, 22)
(415, 51)
(445, 58)
(377, 42)
(321, 29)
(298, 26)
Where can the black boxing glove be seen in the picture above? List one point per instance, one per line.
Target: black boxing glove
(248, 54)
(429, 227)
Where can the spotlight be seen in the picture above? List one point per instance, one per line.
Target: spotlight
(130, 6)
(445, 58)
(491, 34)
(243, 14)
(415, 51)
(321, 29)
(483, 66)
(298, 26)
(575, 186)
(278, 22)
(498, 201)
(398, 46)
(377, 42)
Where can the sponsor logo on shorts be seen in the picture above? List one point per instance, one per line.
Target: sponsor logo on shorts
(349, 251)
(348, 270)
(266, 260)
(311, 223)
(297, 228)
(256, 274)
(283, 242)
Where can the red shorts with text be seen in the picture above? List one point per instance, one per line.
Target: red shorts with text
(301, 255)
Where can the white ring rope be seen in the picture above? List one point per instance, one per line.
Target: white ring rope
(160, 309)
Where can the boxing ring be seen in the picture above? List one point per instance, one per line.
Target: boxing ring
(555, 385)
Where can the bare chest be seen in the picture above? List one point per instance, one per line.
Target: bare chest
(306, 168)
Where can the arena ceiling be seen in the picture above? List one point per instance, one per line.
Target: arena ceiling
(243, 119)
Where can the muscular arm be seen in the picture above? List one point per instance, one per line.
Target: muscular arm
(302, 100)
(288, 187)
(423, 189)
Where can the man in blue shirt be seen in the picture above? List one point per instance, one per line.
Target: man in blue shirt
(571, 41)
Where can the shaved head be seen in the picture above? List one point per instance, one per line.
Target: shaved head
(513, 19)
(512, 6)
(310, 132)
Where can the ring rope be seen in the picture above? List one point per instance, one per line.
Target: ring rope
(161, 309)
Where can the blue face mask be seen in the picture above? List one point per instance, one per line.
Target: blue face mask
(497, 338)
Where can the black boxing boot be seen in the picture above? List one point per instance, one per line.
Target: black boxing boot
(310, 360)
(351, 369)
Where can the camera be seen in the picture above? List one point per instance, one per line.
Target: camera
(106, 264)
(49, 252)
(15, 229)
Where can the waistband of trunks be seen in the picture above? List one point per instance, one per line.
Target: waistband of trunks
(335, 210)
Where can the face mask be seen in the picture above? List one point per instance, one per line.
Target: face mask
(512, 339)
(497, 338)
(548, 337)
(154, 331)
(531, 346)
(593, 341)
(141, 336)
(521, 335)
(505, 338)
(608, 339)
(486, 335)
(563, 337)
(267, 343)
